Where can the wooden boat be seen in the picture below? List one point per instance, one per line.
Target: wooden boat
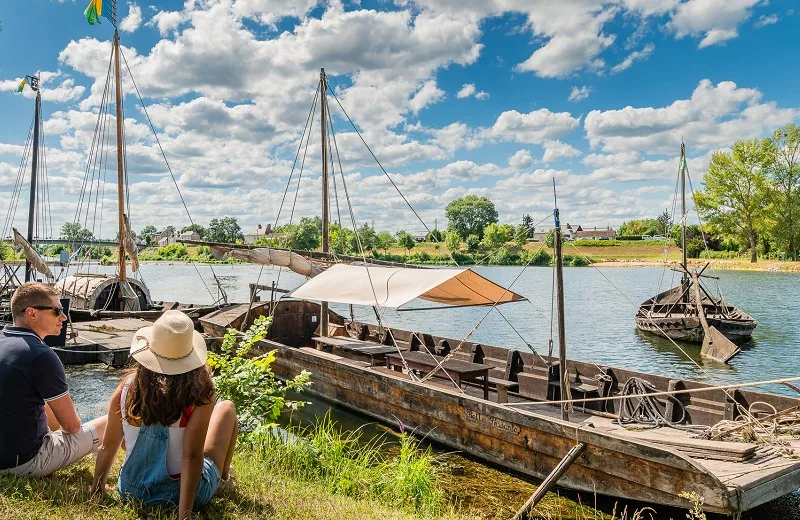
(676, 312)
(655, 466)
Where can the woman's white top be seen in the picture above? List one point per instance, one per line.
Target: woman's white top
(174, 437)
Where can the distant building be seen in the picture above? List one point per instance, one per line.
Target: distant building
(189, 235)
(164, 233)
(167, 240)
(419, 236)
(257, 233)
(540, 234)
(595, 234)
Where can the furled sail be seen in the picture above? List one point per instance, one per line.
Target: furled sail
(268, 256)
(130, 246)
(395, 286)
(34, 258)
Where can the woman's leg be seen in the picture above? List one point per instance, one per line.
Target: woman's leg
(221, 436)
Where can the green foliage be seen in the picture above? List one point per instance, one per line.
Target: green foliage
(73, 232)
(434, 236)
(368, 238)
(594, 243)
(736, 191)
(55, 250)
(249, 381)
(696, 511)
(540, 258)
(470, 215)
(629, 238)
(784, 189)
(6, 250)
(579, 261)
(384, 240)
(173, 252)
(496, 235)
(452, 241)
(340, 238)
(225, 230)
(406, 475)
(405, 240)
(307, 235)
(473, 241)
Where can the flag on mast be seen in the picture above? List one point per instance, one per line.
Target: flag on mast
(22, 83)
(95, 11)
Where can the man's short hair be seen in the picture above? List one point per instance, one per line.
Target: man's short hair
(31, 294)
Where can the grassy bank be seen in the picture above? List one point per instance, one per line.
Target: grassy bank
(320, 473)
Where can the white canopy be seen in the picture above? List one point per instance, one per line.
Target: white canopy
(396, 286)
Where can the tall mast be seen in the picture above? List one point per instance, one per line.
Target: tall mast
(562, 335)
(683, 211)
(37, 117)
(120, 161)
(323, 88)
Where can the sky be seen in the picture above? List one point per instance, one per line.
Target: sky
(495, 98)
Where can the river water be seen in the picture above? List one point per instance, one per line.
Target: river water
(599, 307)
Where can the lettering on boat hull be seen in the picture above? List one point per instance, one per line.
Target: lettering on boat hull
(494, 422)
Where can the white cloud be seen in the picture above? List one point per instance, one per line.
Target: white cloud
(713, 117)
(520, 160)
(765, 20)
(634, 56)
(427, 95)
(579, 94)
(555, 150)
(60, 92)
(134, 19)
(535, 127)
(469, 90)
(166, 21)
(716, 20)
(270, 11)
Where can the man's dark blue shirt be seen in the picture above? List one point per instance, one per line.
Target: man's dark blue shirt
(30, 375)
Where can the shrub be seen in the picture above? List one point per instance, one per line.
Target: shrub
(173, 252)
(595, 243)
(473, 241)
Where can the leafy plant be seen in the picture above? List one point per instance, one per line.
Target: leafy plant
(249, 381)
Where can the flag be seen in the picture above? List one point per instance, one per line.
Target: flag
(22, 83)
(94, 12)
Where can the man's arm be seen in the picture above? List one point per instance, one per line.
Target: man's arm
(52, 422)
(64, 413)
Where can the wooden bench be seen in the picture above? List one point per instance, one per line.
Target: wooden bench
(503, 386)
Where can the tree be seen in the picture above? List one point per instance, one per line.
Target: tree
(735, 191)
(473, 241)
(470, 215)
(307, 235)
(452, 241)
(73, 232)
(527, 226)
(434, 236)
(197, 228)
(405, 240)
(785, 188)
(341, 238)
(384, 241)
(225, 230)
(496, 235)
(664, 223)
(367, 236)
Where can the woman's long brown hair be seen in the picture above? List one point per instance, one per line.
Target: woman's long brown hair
(161, 399)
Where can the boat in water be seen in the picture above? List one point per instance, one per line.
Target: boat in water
(689, 312)
(613, 431)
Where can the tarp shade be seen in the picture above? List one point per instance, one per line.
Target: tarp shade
(33, 257)
(396, 286)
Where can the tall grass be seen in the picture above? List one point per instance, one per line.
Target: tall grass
(404, 475)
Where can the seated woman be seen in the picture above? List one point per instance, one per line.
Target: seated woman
(178, 442)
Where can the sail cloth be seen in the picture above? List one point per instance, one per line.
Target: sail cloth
(130, 246)
(36, 261)
(268, 256)
(396, 286)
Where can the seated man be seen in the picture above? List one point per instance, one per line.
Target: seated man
(34, 398)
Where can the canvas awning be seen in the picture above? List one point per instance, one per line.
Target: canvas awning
(396, 286)
(268, 256)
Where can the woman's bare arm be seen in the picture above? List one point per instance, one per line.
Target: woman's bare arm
(111, 444)
(194, 438)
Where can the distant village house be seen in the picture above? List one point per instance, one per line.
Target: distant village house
(595, 234)
(258, 233)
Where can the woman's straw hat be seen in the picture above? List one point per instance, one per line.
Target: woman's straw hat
(171, 346)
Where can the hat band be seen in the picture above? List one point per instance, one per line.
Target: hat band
(147, 347)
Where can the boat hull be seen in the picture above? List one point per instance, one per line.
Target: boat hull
(689, 329)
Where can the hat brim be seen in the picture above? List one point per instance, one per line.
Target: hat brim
(148, 359)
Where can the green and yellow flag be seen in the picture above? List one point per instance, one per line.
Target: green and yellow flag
(22, 83)
(94, 12)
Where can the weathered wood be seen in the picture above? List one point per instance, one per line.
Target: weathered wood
(551, 480)
(715, 345)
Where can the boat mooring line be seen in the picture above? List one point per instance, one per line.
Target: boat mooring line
(657, 394)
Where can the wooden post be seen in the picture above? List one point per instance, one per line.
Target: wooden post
(34, 172)
(550, 481)
(120, 169)
(323, 88)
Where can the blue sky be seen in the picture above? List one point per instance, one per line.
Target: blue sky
(491, 97)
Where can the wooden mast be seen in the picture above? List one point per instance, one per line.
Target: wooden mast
(120, 160)
(34, 171)
(323, 88)
(683, 218)
(563, 380)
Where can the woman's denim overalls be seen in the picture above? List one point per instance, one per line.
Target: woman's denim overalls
(144, 475)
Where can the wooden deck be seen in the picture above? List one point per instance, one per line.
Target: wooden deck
(100, 341)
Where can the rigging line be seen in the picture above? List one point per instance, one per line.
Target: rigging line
(672, 218)
(297, 153)
(12, 211)
(163, 154)
(379, 163)
(47, 184)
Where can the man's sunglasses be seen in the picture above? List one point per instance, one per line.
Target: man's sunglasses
(57, 311)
